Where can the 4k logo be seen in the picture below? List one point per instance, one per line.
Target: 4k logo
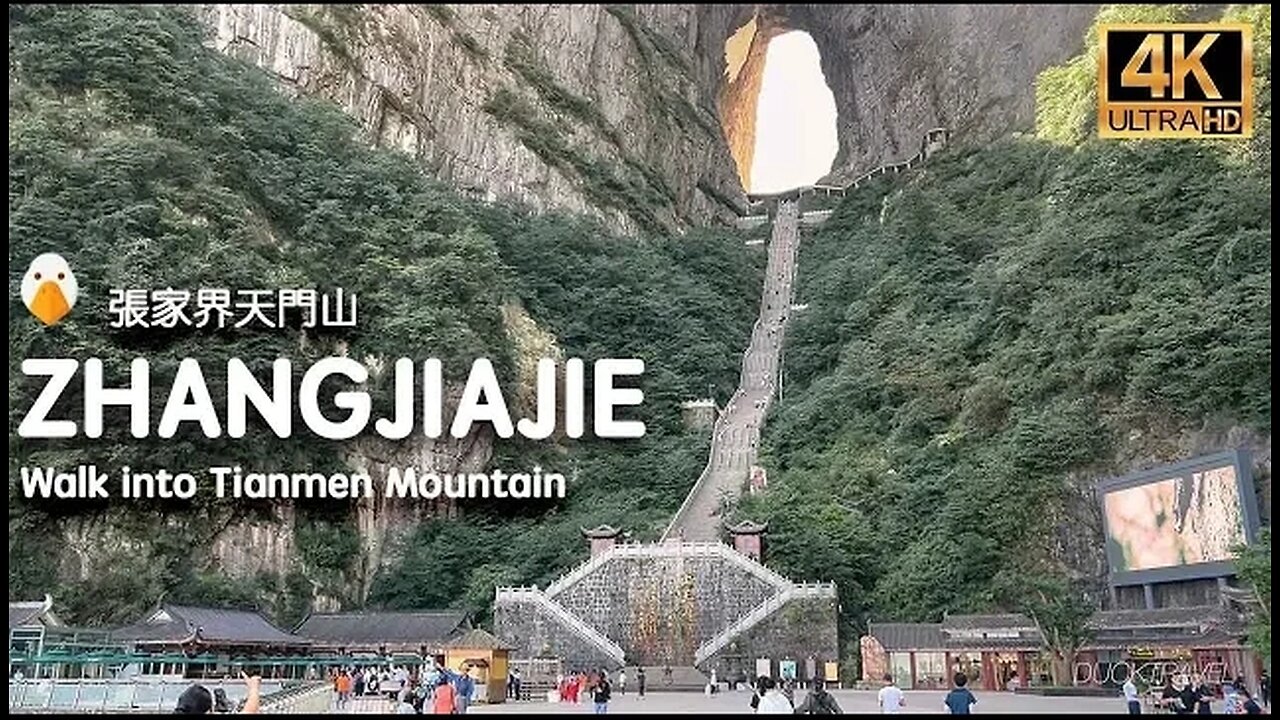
(1175, 81)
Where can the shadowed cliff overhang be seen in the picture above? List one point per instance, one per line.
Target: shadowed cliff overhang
(895, 71)
(745, 53)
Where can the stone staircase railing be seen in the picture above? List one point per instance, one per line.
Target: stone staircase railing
(573, 622)
(669, 549)
(784, 260)
(758, 569)
(565, 581)
(715, 439)
(933, 140)
(759, 614)
(305, 700)
(707, 549)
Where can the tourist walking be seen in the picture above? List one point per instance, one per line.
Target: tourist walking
(1204, 698)
(960, 701)
(1188, 698)
(1169, 699)
(1131, 697)
(343, 686)
(1231, 703)
(622, 681)
(891, 697)
(819, 701)
(1264, 689)
(640, 680)
(1249, 706)
(464, 687)
(442, 703)
(600, 694)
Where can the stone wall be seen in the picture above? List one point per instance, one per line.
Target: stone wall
(535, 633)
(803, 628)
(661, 603)
(660, 609)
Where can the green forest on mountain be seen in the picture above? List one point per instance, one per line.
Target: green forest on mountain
(983, 339)
(149, 161)
(986, 338)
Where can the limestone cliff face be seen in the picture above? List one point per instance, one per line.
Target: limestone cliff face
(643, 116)
(594, 109)
(897, 70)
(640, 114)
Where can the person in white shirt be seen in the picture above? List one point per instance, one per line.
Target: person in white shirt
(1131, 697)
(891, 697)
(773, 702)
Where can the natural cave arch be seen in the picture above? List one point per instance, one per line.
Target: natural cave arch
(776, 109)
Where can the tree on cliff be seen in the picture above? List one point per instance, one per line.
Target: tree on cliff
(1061, 613)
(1254, 564)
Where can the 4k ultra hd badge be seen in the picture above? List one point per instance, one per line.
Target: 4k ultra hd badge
(1175, 81)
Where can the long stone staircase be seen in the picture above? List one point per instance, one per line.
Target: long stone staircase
(737, 431)
(691, 602)
(566, 616)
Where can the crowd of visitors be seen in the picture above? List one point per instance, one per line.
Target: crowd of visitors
(1195, 695)
(429, 690)
(595, 685)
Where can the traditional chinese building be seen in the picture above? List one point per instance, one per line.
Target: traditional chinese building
(748, 538)
(41, 646)
(486, 656)
(1000, 652)
(408, 635)
(212, 642)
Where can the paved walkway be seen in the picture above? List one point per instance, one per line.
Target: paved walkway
(919, 702)
(737, 434)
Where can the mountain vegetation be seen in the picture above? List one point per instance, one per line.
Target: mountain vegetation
(987, 337)
(984, 337)
(151, 161)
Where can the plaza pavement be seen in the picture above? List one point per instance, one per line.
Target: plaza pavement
(919, 702)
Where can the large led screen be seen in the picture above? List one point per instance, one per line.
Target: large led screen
(1180, 516)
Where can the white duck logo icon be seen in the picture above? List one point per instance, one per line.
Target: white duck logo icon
(49, 288)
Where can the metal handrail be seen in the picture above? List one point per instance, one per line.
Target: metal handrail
(148, 693)
(929, 138)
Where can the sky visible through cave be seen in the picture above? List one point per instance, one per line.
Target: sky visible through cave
(795, 117)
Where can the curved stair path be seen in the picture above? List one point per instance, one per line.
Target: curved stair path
(737, 431)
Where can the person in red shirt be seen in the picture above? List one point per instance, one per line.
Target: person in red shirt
(442, 701)
(574, 681)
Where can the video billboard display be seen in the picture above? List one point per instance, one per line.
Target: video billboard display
(1178, 521)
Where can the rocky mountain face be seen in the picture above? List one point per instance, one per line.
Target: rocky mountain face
(641, 114)
(898, 70)
(600, 110)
